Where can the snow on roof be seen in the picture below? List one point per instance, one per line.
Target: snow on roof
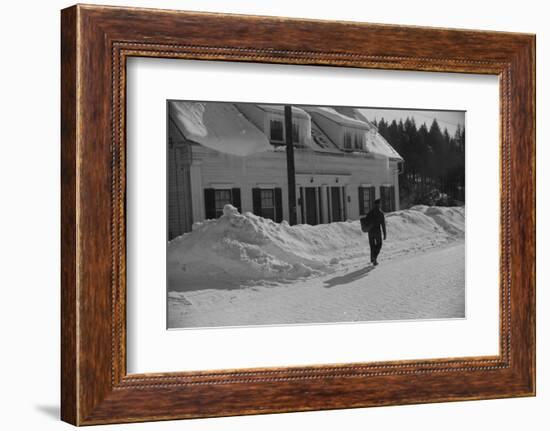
(352, 117)
(224, 128)
(376, 144)
(374, 141)
(219, 126)
(280, 109)
(337, 117)
(321, 142)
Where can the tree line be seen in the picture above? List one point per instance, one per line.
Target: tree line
(434, 170)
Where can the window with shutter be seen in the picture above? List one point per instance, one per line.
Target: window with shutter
(366, 199)
(236, 198)
(361, 194)
(210, 203)
(257, 201)
(216, 199)
(221, 197)
(267, 203)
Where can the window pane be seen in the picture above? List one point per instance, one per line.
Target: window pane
(267, 198)
(222, 197)
(276, 127)
(358, 141)
(295, 133)
(347, 140)
(367, 205)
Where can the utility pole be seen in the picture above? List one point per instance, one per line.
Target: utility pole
(291, 172)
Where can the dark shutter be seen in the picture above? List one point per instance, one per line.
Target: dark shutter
(320, 204)
(344, 205)
(361, 201)
(210, 203)
(301, 203)
(278, 205)
(392, 197)
(257, 201)
(236, 198)
(329, 209)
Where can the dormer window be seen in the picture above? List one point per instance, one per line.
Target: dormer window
(347, 139)
(276, 130)
(358, 141)
(353, 139)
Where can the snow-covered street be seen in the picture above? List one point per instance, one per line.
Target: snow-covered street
(424, 285)
(242, 269)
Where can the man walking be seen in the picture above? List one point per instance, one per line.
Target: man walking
(375, 224)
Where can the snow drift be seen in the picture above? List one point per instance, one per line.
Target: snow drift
(247, 247)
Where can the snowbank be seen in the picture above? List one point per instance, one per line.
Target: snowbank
(450, 219)
(247, 247)
(219, 126)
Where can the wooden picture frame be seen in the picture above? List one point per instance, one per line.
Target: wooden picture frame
(95, 43)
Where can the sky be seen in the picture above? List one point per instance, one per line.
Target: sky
(446, 119)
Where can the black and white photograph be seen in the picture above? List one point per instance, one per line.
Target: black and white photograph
(275, 215)
(298, 214)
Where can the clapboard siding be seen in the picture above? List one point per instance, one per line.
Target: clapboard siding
(313, 169)
(179, 210)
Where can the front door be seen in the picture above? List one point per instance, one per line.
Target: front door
(311, 206)
(336, 204)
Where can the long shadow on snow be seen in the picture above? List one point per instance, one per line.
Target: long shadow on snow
(349, 277)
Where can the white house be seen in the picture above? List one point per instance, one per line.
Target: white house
(234, 153)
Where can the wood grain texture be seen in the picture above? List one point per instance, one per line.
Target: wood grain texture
(96, 41)
(68, 218)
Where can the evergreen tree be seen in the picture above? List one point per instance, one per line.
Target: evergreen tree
(434, 160)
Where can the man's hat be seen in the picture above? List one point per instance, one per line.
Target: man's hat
(377, 201)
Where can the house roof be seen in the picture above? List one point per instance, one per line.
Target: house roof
(223, 127)
(377, 145)
(280, 109)
(321, 140)
(375, 142)
(219, 126)
(339, 118)
(351, 117)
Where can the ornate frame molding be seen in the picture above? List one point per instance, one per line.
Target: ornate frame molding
(96, 41)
